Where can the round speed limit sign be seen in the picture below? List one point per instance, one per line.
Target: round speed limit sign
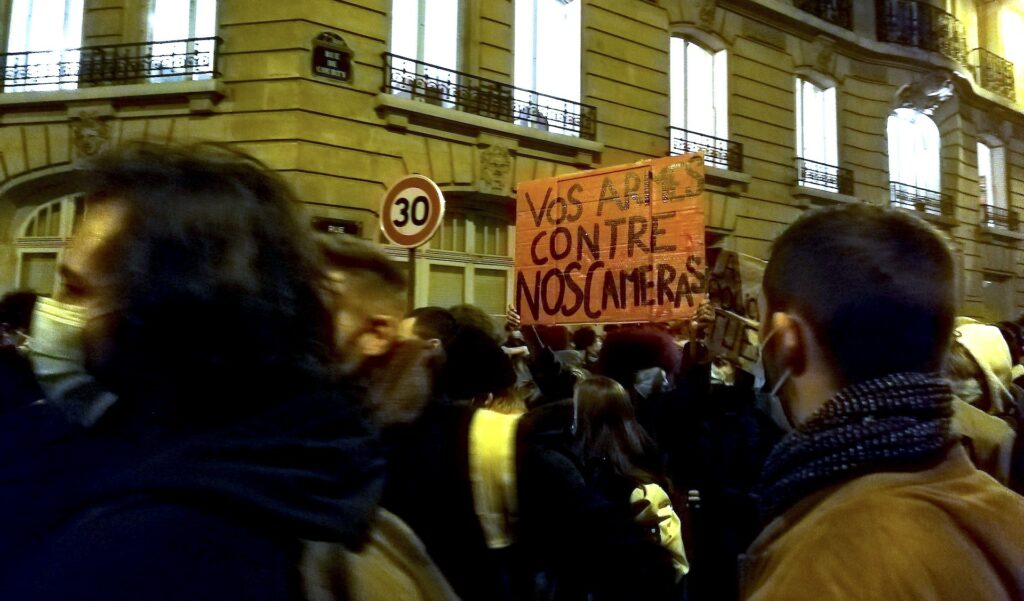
(411, 211)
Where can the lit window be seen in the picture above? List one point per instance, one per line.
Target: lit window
(430, 36)
(186, 28)
(469, 260)
(698, 108)
(41, 241)
(547, 64)
(42, 45)
(992, 175)
(816, 138)
(914, 164)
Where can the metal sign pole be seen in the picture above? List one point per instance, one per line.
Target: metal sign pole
(412, 279)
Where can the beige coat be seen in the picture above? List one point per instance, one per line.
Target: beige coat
(946, 533)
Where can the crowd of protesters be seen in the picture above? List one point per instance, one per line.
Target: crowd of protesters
(218, 404)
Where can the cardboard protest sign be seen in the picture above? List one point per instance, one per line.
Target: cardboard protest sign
(611, 245)
(734, 337)
(733, 288)
(735, 283)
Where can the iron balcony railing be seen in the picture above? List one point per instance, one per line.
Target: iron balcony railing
(920, 25)
(718, 152)
(993, 216)
(822, 176)
(993, 72)
(837, 12)
(921, 200)
(487, 98)
(172, 60)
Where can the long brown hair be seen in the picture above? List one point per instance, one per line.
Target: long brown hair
(606, 430)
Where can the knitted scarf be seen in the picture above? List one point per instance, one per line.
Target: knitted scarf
(896, 422)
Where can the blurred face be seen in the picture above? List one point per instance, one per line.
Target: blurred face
(359, 332)
(87, 280)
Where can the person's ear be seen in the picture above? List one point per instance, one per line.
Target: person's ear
(379, 336)
(792, 346)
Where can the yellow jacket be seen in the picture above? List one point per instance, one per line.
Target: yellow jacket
(946, 533)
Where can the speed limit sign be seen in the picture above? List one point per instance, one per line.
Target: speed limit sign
(411, 211)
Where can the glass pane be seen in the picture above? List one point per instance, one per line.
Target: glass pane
(525, 75)
(79, 214)
(985, 173)
(38, 272)
(441, 33)
(405, 27)
(459, 234)
(490, 291)
(446, 286)
(700, 108)
(677, 83)
(53, 220)
(502, 240)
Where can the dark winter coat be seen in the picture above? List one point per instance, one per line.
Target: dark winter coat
(127, 511)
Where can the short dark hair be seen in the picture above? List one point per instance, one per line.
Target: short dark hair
(218, 280)
(877, 286)
(584, 338)
(434, 322)
(475, 366)
(629, 350)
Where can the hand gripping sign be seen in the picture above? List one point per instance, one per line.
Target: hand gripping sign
(411, 211)
(619, 244)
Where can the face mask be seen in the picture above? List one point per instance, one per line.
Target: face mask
(55, 340)
(57, 352)
(769, 401)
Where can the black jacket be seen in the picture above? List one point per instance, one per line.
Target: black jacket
(127, 511)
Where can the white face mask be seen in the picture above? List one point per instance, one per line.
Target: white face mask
(55, 343)
(769, 401)
(57, 351)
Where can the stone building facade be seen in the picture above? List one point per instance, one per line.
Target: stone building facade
(242, 72)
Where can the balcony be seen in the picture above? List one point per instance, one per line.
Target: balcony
(837, 12)
(993, 72)
(928, 203)
(993, 216)
(114, 64)
(918, 24)
(446, 88)
(718, 152)
(822, 176)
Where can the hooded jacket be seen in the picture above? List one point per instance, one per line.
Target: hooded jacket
(121, 511)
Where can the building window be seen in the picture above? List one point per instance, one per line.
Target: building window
(185, 30)
(42, 45)
(817, 144)
(997, 296)
(469, 260)
(430, 36)
(547, 64)
(41, 242)
(698, 107)
(914, 163)
(992, 175)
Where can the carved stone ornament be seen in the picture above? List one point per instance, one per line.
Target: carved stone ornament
(495, 169)
(824, 53)
(926, 94)
(706, 16)
(90, 135)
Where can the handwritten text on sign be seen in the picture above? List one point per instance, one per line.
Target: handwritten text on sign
(619, 244)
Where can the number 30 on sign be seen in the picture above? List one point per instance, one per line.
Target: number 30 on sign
(411, 211)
